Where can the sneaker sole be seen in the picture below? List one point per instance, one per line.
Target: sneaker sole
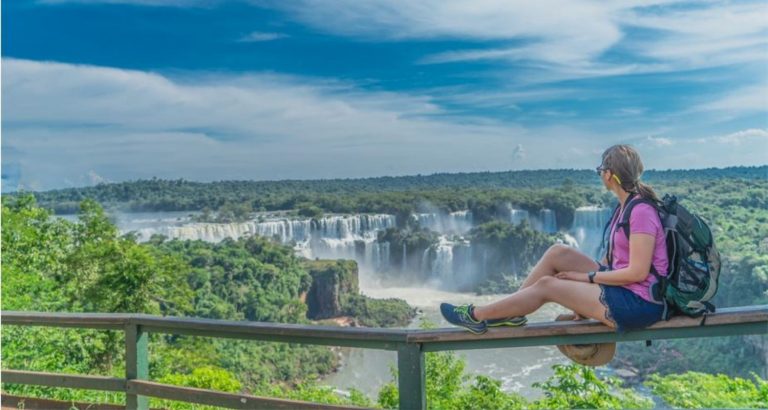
(473, 331)
(510, 324)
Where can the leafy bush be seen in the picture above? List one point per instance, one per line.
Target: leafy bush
(695, 390)
(206, 377)
(575, 386)
(378, 312)
(316, 394)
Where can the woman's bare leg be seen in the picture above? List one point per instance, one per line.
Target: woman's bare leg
(582, 298)
(559, 258)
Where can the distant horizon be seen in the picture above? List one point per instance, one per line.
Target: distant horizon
(386, 176)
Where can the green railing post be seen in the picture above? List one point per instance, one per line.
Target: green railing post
(411, 376)
(136, 364)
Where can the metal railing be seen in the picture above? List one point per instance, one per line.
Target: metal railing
(410, 345)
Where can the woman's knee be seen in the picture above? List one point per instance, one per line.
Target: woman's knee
(551, 288)
(558, 250)
(566, 258)
(547, 284)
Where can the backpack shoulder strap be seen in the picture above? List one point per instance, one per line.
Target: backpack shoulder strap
(624, 224)
(633, 201)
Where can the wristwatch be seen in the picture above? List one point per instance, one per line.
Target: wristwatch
(591, 276)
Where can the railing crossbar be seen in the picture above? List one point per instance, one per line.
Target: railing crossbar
(410, 344)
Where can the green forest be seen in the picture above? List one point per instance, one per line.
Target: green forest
(50, 264)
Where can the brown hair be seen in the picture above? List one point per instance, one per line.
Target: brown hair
(625, 163)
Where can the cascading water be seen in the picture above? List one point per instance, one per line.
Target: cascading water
(354, 237)
(517, 216)
(330, 237)
(543, 221)
(442, 267)
(587, 229)
(457, 222)
(404, 266)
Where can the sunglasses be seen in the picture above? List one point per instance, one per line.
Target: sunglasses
(600, 170)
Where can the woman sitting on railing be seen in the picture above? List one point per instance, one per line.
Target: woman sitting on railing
(615, 290)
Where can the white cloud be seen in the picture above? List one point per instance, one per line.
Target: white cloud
(556, 39)
(749, 99)
(259, 36)
(630, 111)
(72, 120)
(543, 35)
(704, 36)
(156, 3)
(552, 36)
(754, 135)
(658, 141)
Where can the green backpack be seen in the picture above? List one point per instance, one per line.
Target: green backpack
(694, 262)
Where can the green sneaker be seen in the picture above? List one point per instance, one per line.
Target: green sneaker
(507, 321)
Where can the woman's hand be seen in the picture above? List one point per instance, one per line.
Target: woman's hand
(576, 276)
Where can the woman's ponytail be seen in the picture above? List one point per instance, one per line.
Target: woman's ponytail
(647, 192)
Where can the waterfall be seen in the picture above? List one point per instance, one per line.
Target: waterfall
(452, 262)
(544, 221)
(587, 229)
(457, 222)
(335, 236)
(383, 251)
(442, 266)
(425, 260)
(517, 216)
(405, 260)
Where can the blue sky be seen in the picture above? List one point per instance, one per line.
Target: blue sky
(112, 90)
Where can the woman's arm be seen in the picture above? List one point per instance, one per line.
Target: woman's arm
(641, 246)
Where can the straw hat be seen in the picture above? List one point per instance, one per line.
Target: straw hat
(591, 354)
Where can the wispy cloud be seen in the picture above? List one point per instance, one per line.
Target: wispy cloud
(156, 3)
(704, 35)
(739, 138)
(679, 35)
(658, 141)
(539, 33)
(259, 36)
(557, 39)
(72, 121)
(744, 100)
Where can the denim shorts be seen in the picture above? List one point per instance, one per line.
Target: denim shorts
(628, 310)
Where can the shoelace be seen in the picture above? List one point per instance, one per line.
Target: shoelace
(463, 310)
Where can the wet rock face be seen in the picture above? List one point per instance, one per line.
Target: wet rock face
(331, 281)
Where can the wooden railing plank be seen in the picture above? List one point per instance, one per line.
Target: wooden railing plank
(372, 338)
(410, 344)
(733, 329)
(114, 321)
(752, 314)
(74, 381)
(221, 399)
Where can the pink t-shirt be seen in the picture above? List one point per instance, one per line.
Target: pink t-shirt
(644, 219)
